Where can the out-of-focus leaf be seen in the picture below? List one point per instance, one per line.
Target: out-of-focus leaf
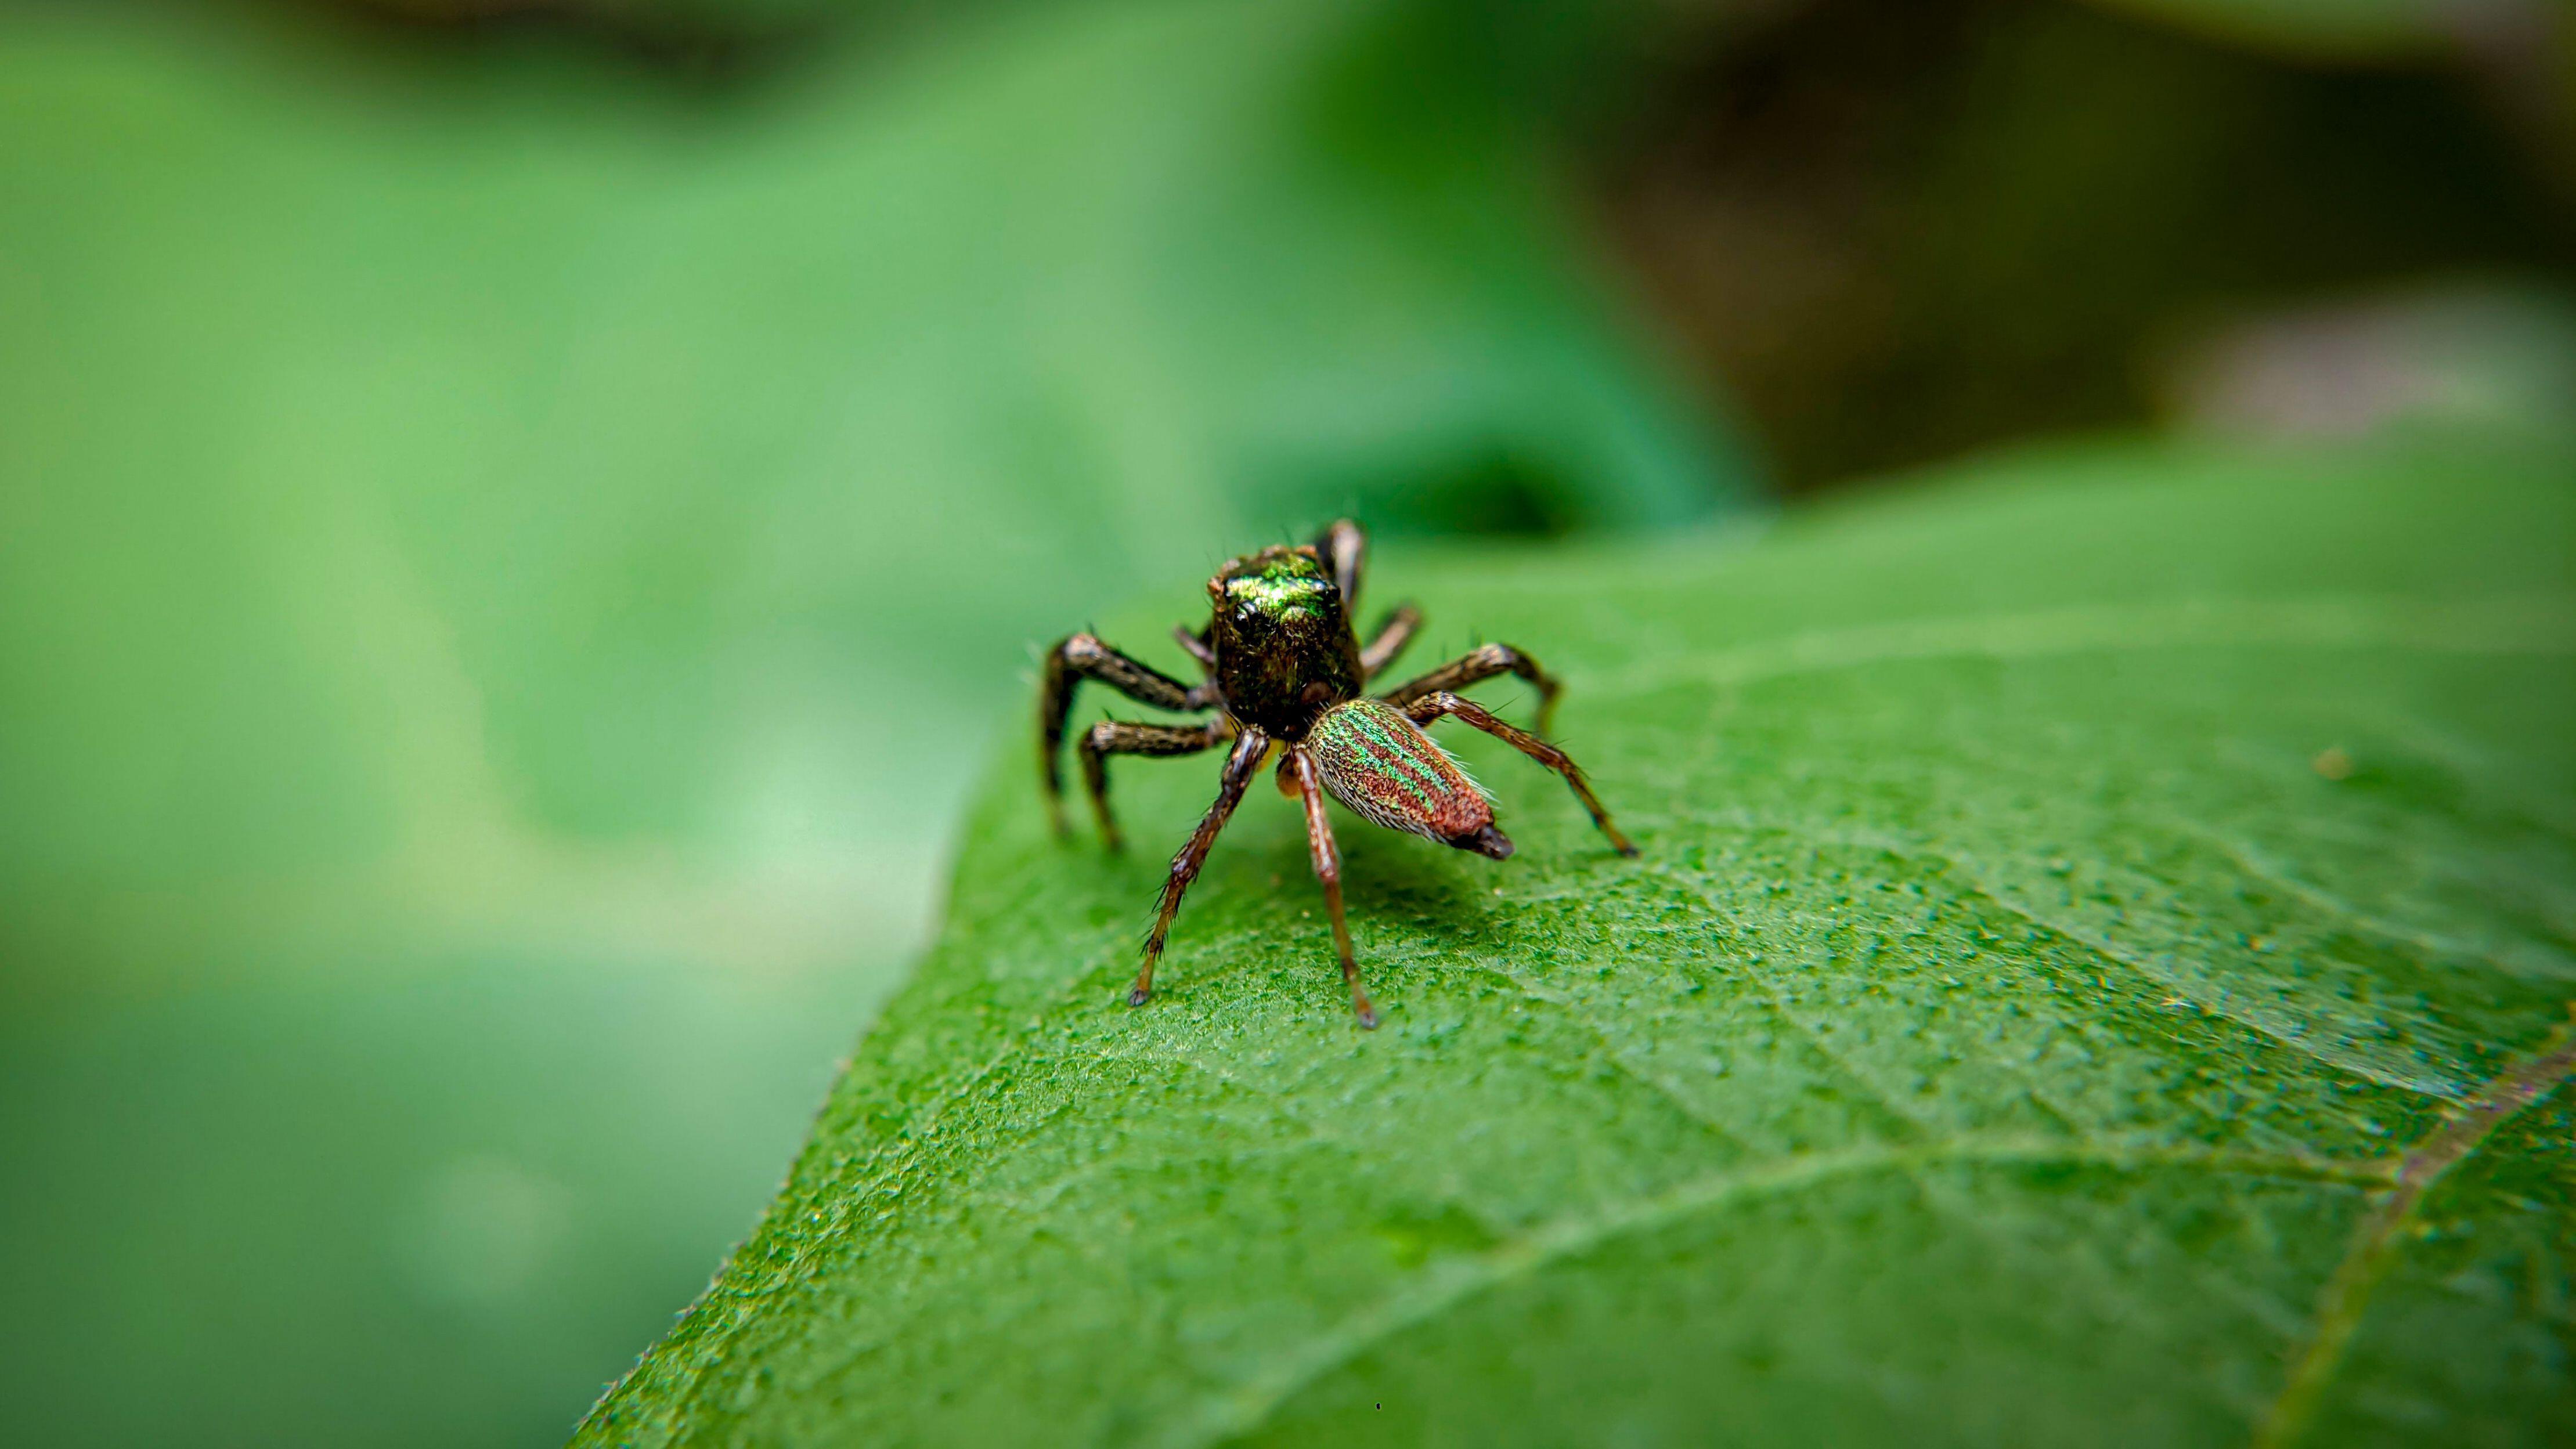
(2074, 897)
(507, 571)
(708, 472)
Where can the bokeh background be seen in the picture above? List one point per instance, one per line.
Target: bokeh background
(519, 521)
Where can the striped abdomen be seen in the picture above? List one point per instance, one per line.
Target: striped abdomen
(1382, 766)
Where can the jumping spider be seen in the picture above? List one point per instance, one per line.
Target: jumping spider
(1283, 671)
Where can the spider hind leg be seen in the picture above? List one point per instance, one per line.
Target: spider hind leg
(1432, 706)
(1482, 663)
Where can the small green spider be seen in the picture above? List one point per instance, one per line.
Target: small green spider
(1283, 671)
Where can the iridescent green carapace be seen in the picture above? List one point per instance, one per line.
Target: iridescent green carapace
(1282, 672)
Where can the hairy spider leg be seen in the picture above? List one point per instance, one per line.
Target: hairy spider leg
(1432, 706)
(1249, 747)
(1478, 664)
(1128, 737)
(1393, 633)
(1082, 657)
(1328, 869)
(1343, 548)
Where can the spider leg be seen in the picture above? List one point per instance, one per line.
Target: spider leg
(1197, 644)
(1240, 766)
(1126, 737)
(1393, 633)
(1082, 657)
(1344, 549)
(1441, 702)
(1480, 664)
(1328, 869)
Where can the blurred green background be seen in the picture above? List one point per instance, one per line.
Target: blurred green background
(519, 521)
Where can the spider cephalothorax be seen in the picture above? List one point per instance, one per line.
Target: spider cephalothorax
(1282, 638)
(1283, 671)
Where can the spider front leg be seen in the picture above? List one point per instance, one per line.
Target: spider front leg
(1393, 633)
(1249, 747)
(1126, 737)
(1343, 548)
(1082, 657)
(1481, 664)
(1432, 706)
(1300, 767)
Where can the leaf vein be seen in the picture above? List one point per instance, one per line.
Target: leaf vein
(1231, 1414)
(2377, 1242)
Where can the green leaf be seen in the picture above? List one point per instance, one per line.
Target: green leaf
(2006, 1035)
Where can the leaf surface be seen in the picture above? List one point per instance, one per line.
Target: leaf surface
(2017, 1027)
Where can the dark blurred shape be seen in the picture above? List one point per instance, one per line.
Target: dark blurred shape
(1902, 228)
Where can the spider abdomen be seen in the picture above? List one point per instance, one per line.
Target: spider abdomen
(1380, 764)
